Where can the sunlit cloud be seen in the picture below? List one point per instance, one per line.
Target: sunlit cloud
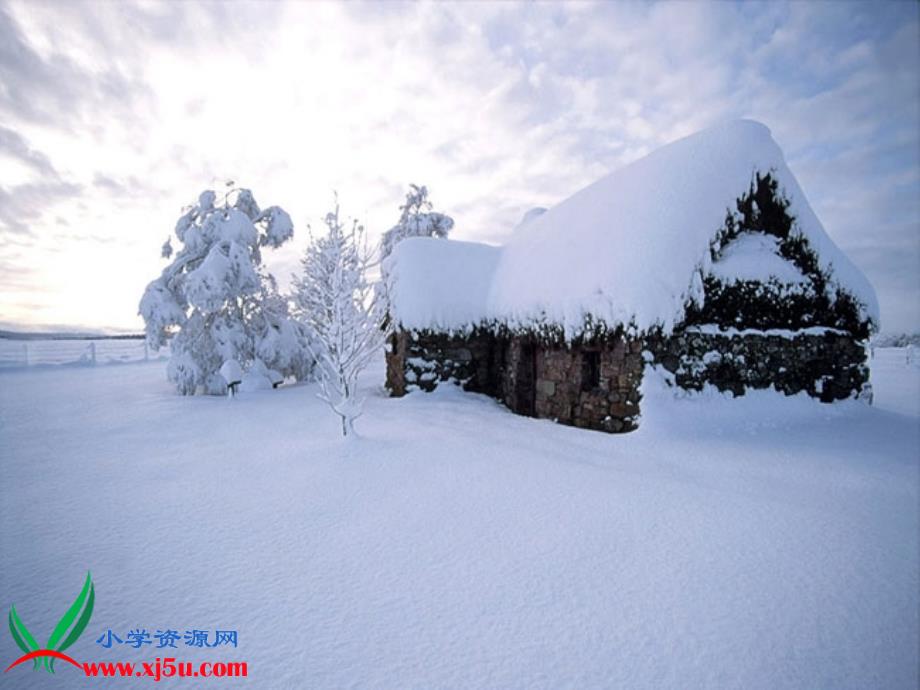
(115, 115)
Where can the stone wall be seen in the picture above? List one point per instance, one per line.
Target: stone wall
(548, 381)
(560, 392)
(829, 366)
(529, 376)
(422, 360)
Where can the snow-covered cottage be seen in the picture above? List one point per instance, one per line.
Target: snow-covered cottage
(704, 259)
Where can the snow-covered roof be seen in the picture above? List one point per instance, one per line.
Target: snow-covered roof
(627, 248)
(755, 257)
(440, 284)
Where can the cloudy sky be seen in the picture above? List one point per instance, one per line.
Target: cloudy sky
(114, 115)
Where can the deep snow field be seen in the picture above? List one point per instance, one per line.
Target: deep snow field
(765, 542)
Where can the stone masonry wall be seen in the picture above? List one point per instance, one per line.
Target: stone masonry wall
(553, 388)
(829, 366)
(548, 381)
(611, 405)
(423, 360)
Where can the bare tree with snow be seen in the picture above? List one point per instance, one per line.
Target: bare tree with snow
(213, 303)
(343, 311)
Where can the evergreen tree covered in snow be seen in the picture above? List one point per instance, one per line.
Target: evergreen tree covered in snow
(416, 220)
(214, 303)
(343, 312)
(764, 211)
(281, 342)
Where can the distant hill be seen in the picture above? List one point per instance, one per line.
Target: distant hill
(896, 340)
(32, 335)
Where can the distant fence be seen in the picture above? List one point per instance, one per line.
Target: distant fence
(30, 353)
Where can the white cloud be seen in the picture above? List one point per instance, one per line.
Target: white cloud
(496, 106)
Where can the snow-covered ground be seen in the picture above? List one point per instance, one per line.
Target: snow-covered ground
(896, 379)
(758, 543)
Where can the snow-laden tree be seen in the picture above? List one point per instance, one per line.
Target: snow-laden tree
(343, 311)
(214, 303)
(416, 220)
(282, 342)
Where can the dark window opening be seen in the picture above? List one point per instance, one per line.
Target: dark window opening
(526, 381)
(590, 371)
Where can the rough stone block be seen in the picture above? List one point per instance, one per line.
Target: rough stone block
(547, 388)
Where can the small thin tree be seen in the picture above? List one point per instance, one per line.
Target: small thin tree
(343, 310)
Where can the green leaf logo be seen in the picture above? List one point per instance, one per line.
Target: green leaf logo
(21, 635)
(65, 633)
